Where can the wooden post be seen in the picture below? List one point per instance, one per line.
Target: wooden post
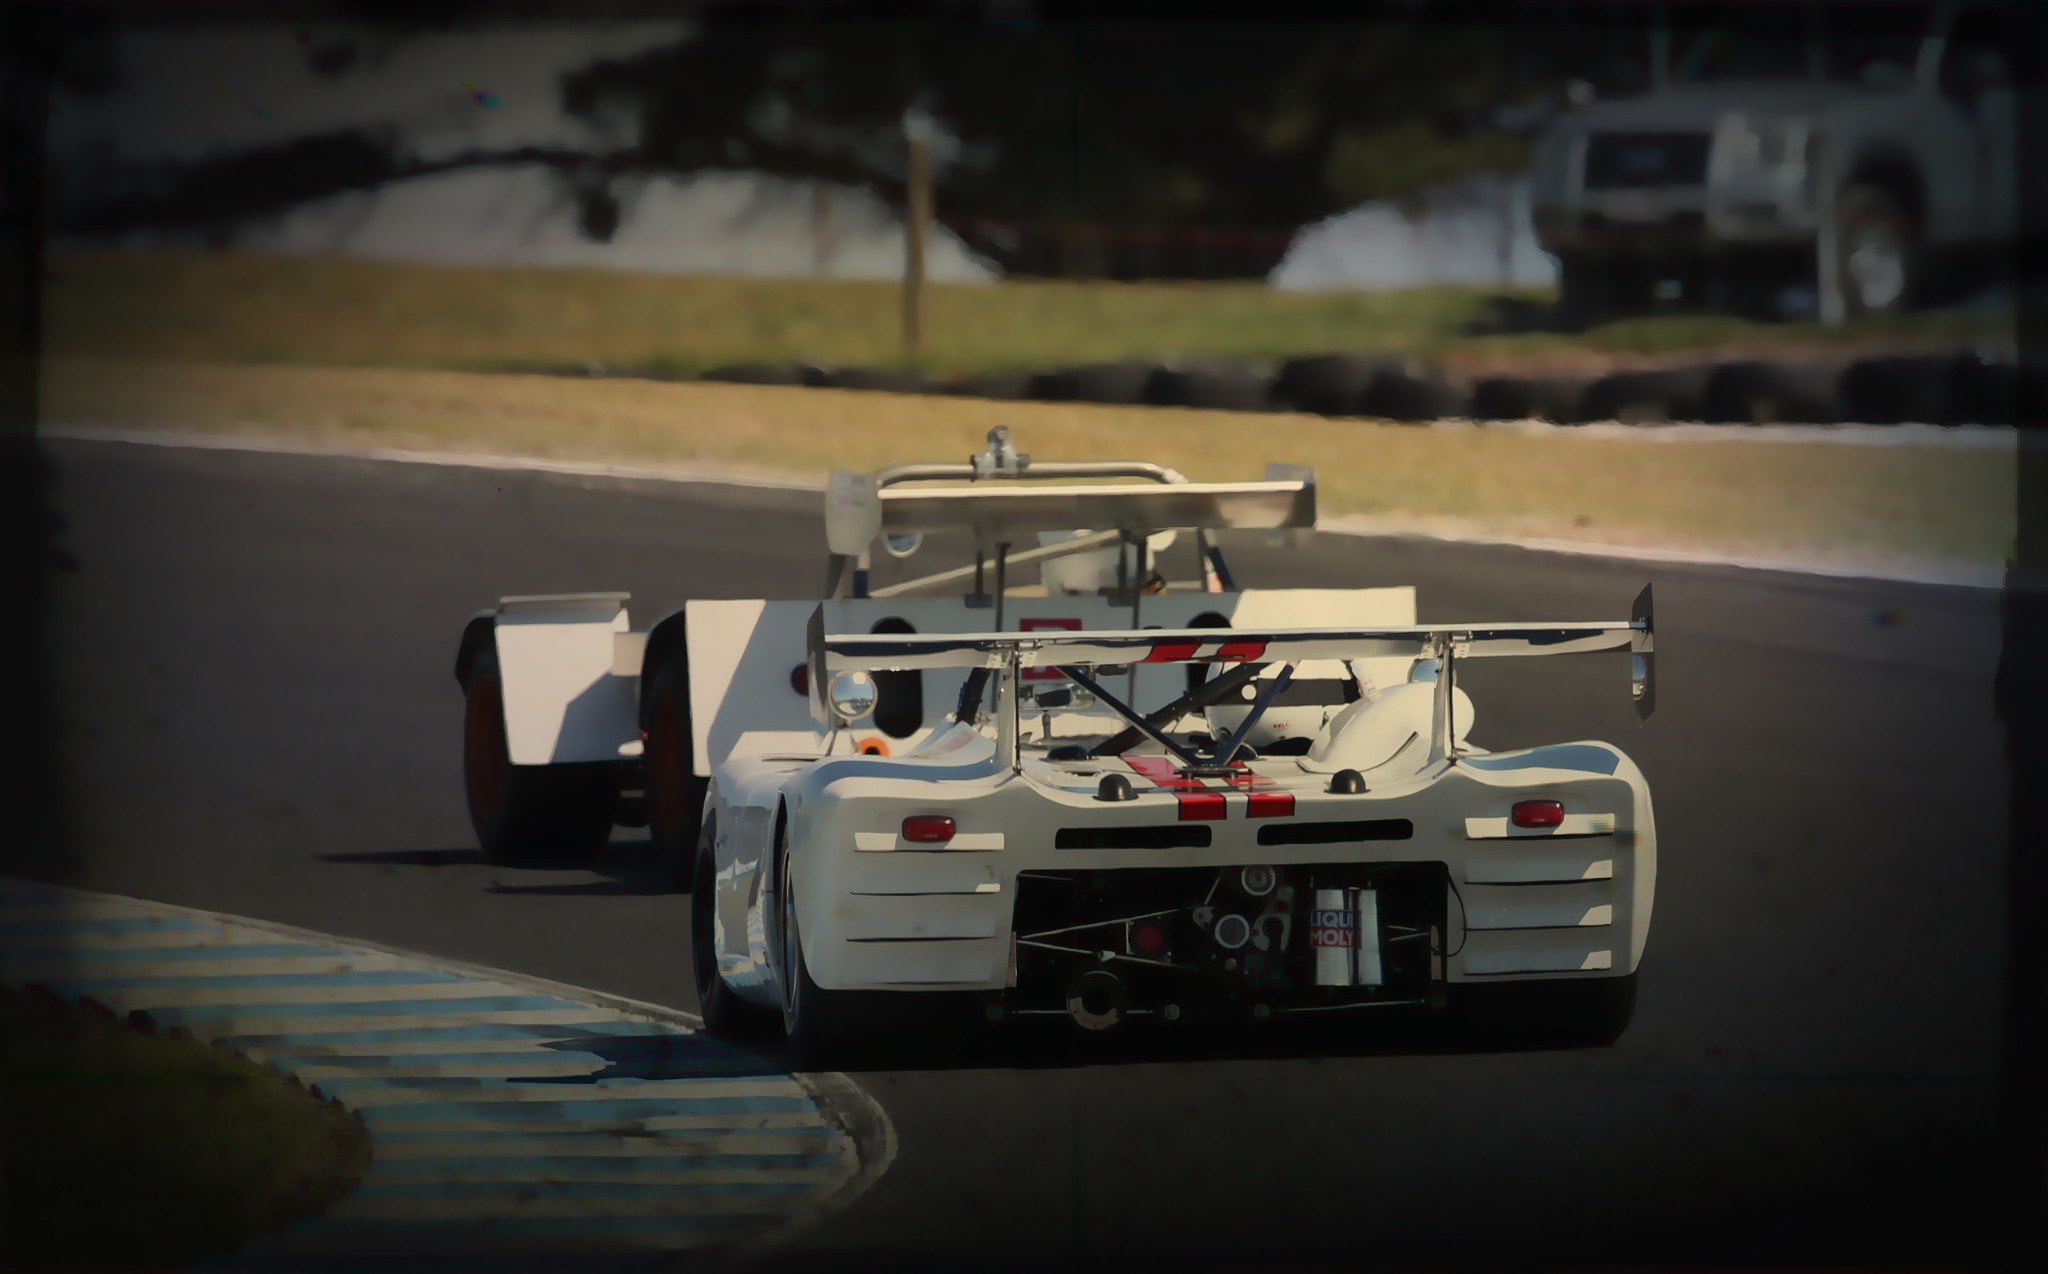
(917, 216)
(821, 229)
(1827, 240)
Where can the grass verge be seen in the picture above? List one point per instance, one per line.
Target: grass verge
(243, 307)
(126, 1150)
(1854, 506)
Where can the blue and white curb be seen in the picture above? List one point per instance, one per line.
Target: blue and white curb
(505, 1113)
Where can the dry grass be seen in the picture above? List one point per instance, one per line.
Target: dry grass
(1855, 505)
(246, 308)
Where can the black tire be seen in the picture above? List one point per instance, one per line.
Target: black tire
(527, 813)
(1211, 387)
(725, 1014)
(1578, 1013)
(815, 1022)
(1413, 396)
(1329, 384)
(1891, 391)
(675, 794)
(1630, 397)
(1519, 398)
(1878, 251)
(1750, 393)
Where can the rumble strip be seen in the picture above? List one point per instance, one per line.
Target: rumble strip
(507, 1115)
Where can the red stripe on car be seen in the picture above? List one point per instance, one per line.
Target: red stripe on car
(1166, 652)
(1260, 803)
(1197, 803)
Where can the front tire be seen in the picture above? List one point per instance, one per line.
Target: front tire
(1879, 251)
(527, 813)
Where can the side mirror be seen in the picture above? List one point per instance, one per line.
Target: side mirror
(852, 695)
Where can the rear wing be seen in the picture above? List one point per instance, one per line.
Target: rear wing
(1446, 643)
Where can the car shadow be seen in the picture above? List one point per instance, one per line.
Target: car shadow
(1051, 1044)
(662, 1055)
(629, 867)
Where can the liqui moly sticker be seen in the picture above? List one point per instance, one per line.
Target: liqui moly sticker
(1327, 928)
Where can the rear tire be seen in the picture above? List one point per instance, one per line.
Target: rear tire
(527, 813)
(816, 1022)
(675, 794)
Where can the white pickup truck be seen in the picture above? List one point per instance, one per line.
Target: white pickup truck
(1901, 122)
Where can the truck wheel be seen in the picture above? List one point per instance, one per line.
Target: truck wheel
(1879, 251)
(813, 1020)
(524, 813)
(725, 1014)
(675, 795)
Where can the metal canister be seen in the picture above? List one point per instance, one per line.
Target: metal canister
(1333, 933)
(1365, 941)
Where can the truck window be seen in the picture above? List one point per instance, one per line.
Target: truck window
(1992, 47)
(1717, 42)
(1875, 45)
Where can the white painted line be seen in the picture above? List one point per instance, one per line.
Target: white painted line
(1962, 575)
(779, 1120)
(228, 1028)
(512, 1205)
(407, 1048)
(595, 1146)
(226, 966)
(651, 1090)
(142, 996)
(377, 1175)
(569, 1067)
(1959, 575)
(706, 474)
(1965, 437)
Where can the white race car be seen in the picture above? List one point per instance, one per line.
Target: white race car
(1105, 797)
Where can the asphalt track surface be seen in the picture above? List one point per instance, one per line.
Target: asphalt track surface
(258, 716)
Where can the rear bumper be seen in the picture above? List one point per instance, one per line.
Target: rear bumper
(1502, 911)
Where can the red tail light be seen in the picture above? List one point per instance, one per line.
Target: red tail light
(1537, 813)
(928, 829)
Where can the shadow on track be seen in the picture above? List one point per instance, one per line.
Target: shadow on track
(628, 865)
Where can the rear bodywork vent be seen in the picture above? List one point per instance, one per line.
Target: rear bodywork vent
(1168, 836)
(1335, 833)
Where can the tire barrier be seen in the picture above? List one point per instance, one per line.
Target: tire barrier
(768, 374)
(1329, 384)
(1755, 393)
(1424, 394)
(1211, 387)
(1525, 398)
(1959, 388)
(1646, 397)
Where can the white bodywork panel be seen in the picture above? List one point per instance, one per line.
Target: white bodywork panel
(564, 699)
(741, 655)
(939, 917)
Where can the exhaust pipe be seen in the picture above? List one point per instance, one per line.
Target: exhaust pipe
(1098, 1000)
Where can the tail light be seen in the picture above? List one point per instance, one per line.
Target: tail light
(1537, 813)
(928, 829)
